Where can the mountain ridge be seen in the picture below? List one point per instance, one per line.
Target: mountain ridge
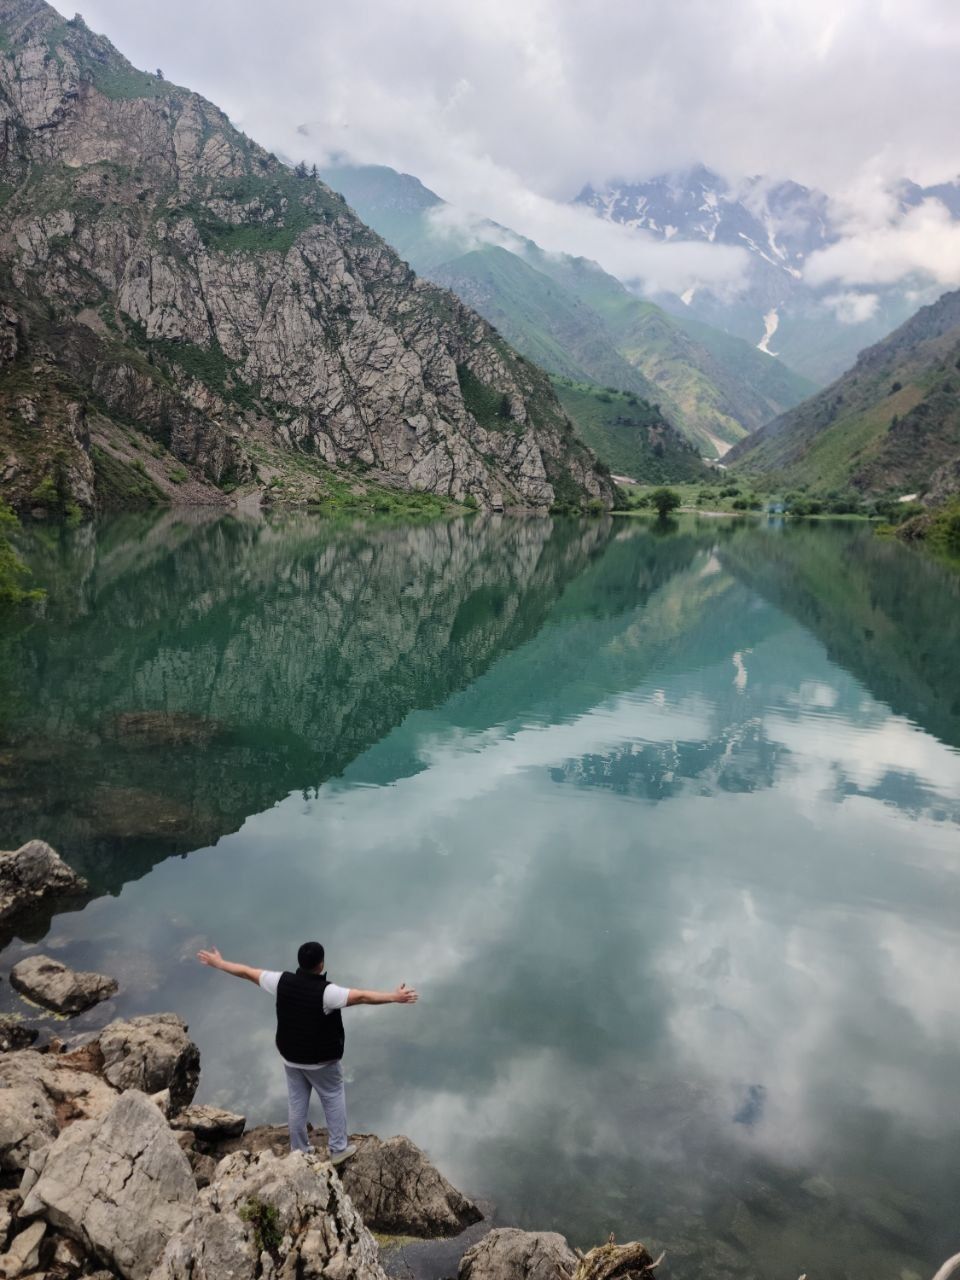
(890, 423)
(594, 327)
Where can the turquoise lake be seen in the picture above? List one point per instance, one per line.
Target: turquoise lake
(662, 823)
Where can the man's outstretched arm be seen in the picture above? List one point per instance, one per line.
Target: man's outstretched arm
(215, 960)
(400, 995)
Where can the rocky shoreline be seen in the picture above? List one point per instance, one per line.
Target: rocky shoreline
(108, 1168)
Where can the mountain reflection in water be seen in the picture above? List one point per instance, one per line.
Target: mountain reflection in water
(664, 827)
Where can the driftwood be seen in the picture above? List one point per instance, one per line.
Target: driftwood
(612, 1261)
(949, 1267)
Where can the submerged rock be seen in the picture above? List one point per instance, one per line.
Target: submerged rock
(266, 1215)
(119, 1185)
(152, 1052)
(56, 987)
(510, 1254)
(162, 728)
(31, 873)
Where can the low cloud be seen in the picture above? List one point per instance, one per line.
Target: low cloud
(924, 241)
(853, 308)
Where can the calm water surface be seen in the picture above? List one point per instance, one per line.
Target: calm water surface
(663, 827)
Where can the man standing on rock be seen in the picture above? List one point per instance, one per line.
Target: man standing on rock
(310, 1037)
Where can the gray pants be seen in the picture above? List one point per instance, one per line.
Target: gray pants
(327, 1080)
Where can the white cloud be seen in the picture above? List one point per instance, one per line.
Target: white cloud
(509, 107)
(853, 308)
(923, 241)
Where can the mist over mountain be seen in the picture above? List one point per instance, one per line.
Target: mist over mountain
(574, 319)
(786, 302)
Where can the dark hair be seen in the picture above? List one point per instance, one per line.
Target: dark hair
(310, 956)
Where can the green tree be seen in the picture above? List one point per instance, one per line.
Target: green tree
(665, 501)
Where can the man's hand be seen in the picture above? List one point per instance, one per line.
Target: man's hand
(215, 960)
(405, 995)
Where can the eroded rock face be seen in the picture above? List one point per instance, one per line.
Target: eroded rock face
(56, 987)
(510, 1254)
(275, 316)
(39, 1093)
(31, 873)
(119, 1185)
(265, 1216)
(151, 1053)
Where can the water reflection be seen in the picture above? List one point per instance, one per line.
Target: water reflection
(668, 845)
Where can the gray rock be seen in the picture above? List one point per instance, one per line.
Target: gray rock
(210, 1124)
(56, 987)
(267, 1216)
(396, 1189)
(24, 1252)
(31, 873)
(119, 1185)
(27, 1121)
(392, 1183)
(15, 1034)
(510, 1254)
(9, 1207)
(151, 1053)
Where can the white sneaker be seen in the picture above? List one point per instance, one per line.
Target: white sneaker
(345, 1154)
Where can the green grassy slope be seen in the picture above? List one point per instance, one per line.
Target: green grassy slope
(629, 434)
(887, 425)
(540, 318)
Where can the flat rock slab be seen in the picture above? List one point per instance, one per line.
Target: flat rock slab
(119, 1185)
(31, 873)
(52, 984)
(209, 1124)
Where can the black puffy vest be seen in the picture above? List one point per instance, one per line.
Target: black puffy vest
(304, 1032)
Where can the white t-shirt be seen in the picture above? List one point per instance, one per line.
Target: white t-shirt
(334, 997)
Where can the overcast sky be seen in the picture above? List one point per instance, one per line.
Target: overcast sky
(508, 107)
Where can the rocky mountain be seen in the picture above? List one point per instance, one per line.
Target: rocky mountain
(573, 318)
(891, 423)
(183, 316)
(779, 225)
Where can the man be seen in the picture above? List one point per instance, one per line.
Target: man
(310, 1037)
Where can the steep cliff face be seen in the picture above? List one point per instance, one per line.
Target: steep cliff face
(182, 309)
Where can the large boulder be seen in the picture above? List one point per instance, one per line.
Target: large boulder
(396, 1189)
(151, 1053)
(267, 1216)
(69, 1084)
(52, 984)
(392, 1183)
(119, 1185)
(510, 1254)
(31, 873)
